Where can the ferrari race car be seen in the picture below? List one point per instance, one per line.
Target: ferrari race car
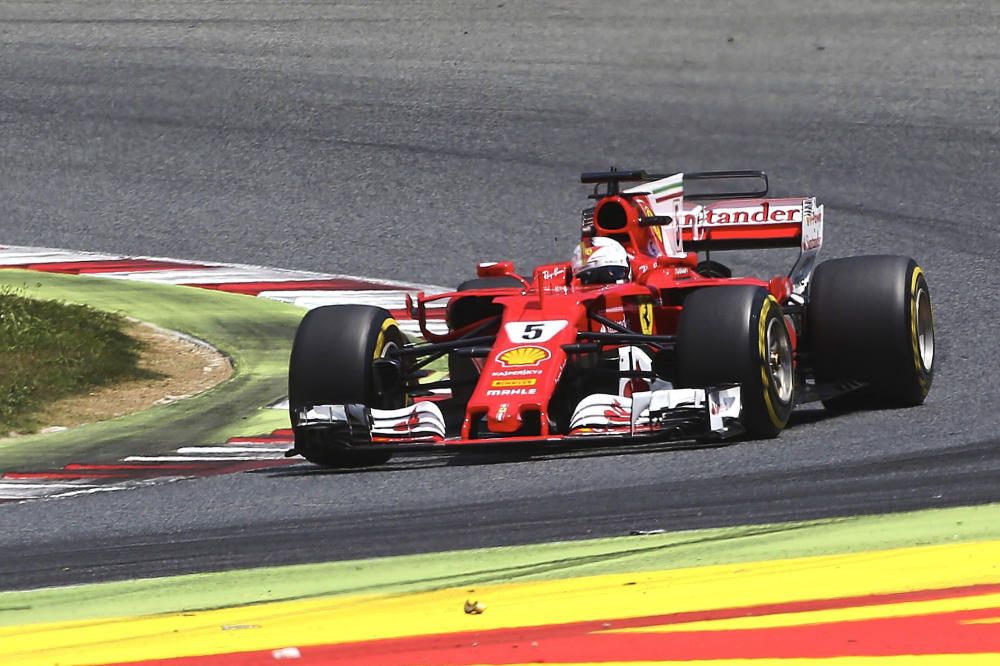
(642, 337)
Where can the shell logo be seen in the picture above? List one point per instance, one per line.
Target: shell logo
(523, 356)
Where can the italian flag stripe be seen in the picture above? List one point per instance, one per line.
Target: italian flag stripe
(671, 195)
(668, 186)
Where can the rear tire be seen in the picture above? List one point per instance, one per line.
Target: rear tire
(332, 364)
(870, 320)
(737, 335)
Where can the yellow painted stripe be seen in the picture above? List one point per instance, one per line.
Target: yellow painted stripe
(985, 620)
(348, 619)
(905, 609)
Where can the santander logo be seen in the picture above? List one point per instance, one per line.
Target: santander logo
(762, 214)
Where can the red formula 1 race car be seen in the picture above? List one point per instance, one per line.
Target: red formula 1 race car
(641, 337)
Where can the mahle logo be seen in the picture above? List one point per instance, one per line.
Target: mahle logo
(523, 356)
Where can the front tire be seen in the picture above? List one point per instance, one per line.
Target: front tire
(332, 363)
(737, 335)
(870, 322)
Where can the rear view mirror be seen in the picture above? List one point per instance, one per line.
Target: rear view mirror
(495, 268)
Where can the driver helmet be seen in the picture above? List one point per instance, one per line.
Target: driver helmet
(600, 260)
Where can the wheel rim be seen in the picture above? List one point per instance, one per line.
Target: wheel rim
(925, 328)
(779, 359)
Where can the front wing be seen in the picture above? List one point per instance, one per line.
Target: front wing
(660, 415)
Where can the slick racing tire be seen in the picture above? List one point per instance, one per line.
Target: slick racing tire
(870, 323)
(332, 364)
(738, 335)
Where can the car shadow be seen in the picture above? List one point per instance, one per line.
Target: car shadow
(407, 461)
(808, 415)
(520, 453)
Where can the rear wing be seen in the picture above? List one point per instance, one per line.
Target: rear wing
(725, 210)
(752, 224)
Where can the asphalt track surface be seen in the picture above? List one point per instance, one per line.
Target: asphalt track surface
(409, 140)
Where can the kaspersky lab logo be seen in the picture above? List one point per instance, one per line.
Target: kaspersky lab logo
(525, 356)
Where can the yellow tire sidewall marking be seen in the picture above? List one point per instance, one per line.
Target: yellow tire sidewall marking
(381, 340)
(763, 352)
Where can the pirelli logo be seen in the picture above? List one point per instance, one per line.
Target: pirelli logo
(507, 383)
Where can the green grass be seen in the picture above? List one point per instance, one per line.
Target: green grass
(51, 350)
(255, 333)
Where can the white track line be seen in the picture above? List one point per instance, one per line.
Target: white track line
(219, 275)
(170, 458)
(412, 328)
(388, 299)
(22, 490)
(90, 491)
(225, 450)
(211, 271)
(314, 298)
(59, 490)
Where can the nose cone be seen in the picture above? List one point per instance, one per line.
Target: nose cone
(502, 419)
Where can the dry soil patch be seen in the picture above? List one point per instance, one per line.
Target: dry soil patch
(184, 368)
